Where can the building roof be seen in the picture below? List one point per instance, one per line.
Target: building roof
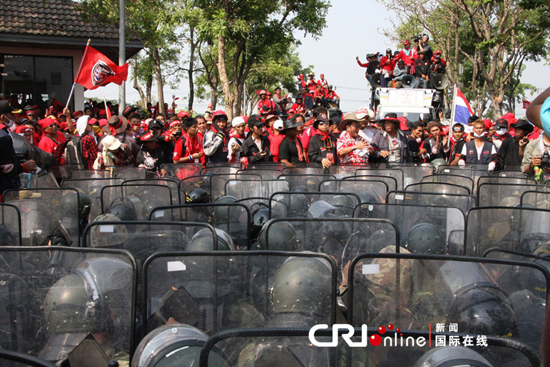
(57, 24)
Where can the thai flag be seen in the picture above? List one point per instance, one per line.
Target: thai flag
(461, 108)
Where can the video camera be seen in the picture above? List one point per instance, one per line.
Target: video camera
(545, 161)
(418, 37)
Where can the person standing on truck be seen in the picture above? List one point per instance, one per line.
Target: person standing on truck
(399, 73)
(408, 54)
(387, 64)
(422, 71)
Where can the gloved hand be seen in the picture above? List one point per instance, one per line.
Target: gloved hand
(491, 167)
(221, 135)
(461, 163)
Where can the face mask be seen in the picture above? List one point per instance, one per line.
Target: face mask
(501, 132)
(480, 135)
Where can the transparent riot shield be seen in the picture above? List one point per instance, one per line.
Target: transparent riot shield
(254, 203)
(535, 199)
(130, 173)
(215, 291)
(313, 204)
(477, 295)
(412, 172)
(374, 347)
(181, 170)
(109, 194)
(395, 173)
(345, 171)
(497, 194)
(233, 219)
(10, 358)
(390, 181)
(266, 174)
(303, 181)
(510, 180)
(170, 182)
(271, 166)
(368, 191)
(188, 184)
(512, 228)
(451, 179)
(507, 173)
(423, 229)
(92, 187)
(10, 226)
(462, 202)
(54, 297)
(242, 189)
(217, 182)
(43, 181)
(438, 188)
(143, 238)
(45, 211)
(221, 170)
(150, 196)
(303, 171)
(91, 174)
(472, 171)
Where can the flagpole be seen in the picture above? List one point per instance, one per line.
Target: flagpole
(453, 111)
(78, 72)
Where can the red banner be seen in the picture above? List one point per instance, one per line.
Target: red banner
(98, 70)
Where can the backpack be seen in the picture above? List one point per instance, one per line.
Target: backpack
(73, 153)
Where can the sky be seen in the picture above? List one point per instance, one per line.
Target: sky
(354, 28)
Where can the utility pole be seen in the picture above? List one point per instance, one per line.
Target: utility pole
(121, 55)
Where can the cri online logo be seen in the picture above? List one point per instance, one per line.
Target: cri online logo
(374, 340)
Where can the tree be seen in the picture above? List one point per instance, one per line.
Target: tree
(485, 41)
(248, 29)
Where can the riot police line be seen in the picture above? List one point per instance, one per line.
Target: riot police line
(231, 265)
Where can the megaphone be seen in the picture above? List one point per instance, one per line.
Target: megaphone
(409, 81)
(439, 81)
(376, 80)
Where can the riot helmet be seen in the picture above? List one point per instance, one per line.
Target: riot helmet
(321, 208)
(294, 205)
(7, 237)
(126, 208)
(436, 163)
(108, 235)
(197, 196)
(221, 214)
(300, 188)
(344, 203)
(150, 206)
(173, 346)
(303, 285)
(282, 237)
(452, 356)
(203, 241)
(259, 218)
(425, 238)
(68, 204)
(367, 199)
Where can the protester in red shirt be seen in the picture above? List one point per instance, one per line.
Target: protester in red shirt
(387, 64)
(50, 140)
(189, 149)
(408, 54)
(322, 82)
(265, 105)
(275, 138)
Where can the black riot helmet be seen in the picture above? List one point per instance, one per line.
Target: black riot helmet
(71, 201)
(282, 237)
(173, 346)
(425, 238)
(222, 214)
(344, 203)
(7, 237)
(197, 196)
(296, 205)
(203, 241)
(126, 207)
(452, 356)
(150, 205)
(260, 217)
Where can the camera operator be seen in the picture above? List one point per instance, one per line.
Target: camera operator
(536, 159)
(422, 45)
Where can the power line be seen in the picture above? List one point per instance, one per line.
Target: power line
(351, 88)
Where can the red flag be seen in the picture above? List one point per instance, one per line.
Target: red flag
(98, 70)
(525, 104)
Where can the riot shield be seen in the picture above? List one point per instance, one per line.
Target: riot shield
(221, 170)
(214, 291)
(254, 203)
(507, 173)
(312, 204)
(345, 171)
(43, 181)
(303, 171)
(497, 194)
(535, 199)
(510, 180)
(91, 174)
(143, 238)
(422, 229)
(474, 171)
(438, 188)
(368, 191)
(130, 173)
(52, 298)
(412, 172)
(231, 218)
(188, 184)
(181, 170)
(242, 189)
(10, 358)
(10, 226)
(45, 211)
(512, 228)
(271, 166)
(386, 346)
(309, 182)
(217, 182)
(451, 179)
(92, 187)
(266, 174)
(150, 196)
(462, 202)
(395, 173)
(390, 181)
(477, 295)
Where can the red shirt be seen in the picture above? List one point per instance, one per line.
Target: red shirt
(47, 144)
(387, 64)
(186, 146)
(269, 107)
(275, 141)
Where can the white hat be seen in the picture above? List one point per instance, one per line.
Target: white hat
(239, 120)
(364, 112)
(278, 124)
(111, 143)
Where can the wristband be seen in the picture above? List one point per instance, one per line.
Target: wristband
(190, 157)
(24, 167)
(221, 135)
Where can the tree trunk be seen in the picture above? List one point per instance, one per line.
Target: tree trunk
(222, 71)
(138, 88)
(191, 69)
(158, 77)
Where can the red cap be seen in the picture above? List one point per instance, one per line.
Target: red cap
(262, 92)
(92, 121)
(406, 42)
(175, 123)
(78, 114)
(402, 123)
(437, 52)
(487, 123)
(103, 122)
(23, 129)
(182, 114)
(219, 113)
(30, 112)
(63, 125)
(102, 112)
(47, 122)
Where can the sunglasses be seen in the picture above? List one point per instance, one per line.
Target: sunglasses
(323, 122)
(458, 130)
